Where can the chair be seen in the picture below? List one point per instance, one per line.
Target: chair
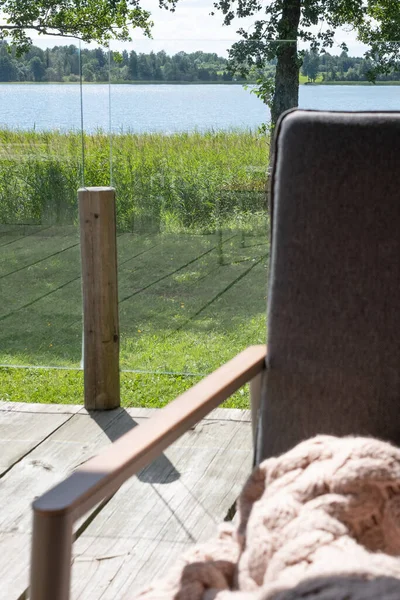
(333, 359)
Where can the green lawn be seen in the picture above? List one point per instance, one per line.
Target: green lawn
(304, 79)
(66, 387)
(188, 303)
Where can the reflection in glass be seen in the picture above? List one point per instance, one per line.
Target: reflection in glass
(41, 167)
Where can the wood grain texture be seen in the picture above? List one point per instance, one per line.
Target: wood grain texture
(220, 414)
(178, 500)
(100, 297)
(154, 517)
(102, 476)
(80, 438)
(114, 568)
(21, 432)
(27, 407)
(13, 565)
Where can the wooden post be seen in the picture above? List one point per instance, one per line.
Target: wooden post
(100, 298)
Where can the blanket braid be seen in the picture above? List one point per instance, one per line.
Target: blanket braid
(320, 522)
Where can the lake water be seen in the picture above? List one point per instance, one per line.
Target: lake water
(167, 108)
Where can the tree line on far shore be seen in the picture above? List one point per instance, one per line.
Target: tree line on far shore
(66, 63)
(328, 68)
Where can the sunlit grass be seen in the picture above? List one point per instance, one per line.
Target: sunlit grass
(164, 183)
(192, 258)
(52, 386)
(175, 329)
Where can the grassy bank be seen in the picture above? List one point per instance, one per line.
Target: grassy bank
(165, 183)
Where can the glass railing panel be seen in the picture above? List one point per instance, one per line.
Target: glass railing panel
(40, 171)
(186, 143)
(189, 167)
(96, 118)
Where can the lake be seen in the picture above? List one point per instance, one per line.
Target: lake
(167, 108)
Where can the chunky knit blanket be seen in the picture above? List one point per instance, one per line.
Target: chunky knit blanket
(321, 522)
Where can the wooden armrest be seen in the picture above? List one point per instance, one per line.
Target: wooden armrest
(101, 476)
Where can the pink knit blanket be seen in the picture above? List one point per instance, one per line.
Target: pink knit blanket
(320, 522)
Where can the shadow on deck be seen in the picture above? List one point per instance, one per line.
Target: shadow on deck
(138, 533)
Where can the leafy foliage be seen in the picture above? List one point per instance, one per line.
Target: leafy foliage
(98, 20)
(281, 24)
(310, 66)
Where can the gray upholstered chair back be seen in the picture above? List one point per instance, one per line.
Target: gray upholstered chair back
(334, 292)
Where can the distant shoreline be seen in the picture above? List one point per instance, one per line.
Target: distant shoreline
(352, 83)
(202, 83)
(128, 83)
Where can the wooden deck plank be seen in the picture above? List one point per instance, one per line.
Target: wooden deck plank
(172, 504)
(30, 407)
(14, 553)
(114, 563)
(220, 414)
(79, 439)
(21, 432)
(152, 519)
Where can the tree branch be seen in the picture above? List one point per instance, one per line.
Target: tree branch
(40, 30)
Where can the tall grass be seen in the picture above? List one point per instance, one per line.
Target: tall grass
(180, 182)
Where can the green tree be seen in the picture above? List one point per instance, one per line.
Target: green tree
(145, 68)
(62, 64)
(133, 66)
(204, 75)
(310, 66)
(37, 68)
(125, 59)
(88, 72)
(89, 20)
(280, 24)
(51, 74)
(8, 72)
(352, 75)
(170, 72)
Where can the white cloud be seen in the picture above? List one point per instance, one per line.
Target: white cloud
(191, 27)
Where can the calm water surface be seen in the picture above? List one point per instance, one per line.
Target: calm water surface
(167, 108)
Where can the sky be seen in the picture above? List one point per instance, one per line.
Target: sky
(192, 28)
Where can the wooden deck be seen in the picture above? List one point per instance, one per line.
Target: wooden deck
(137, 534)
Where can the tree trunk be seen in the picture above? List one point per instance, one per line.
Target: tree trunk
(287, 69)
